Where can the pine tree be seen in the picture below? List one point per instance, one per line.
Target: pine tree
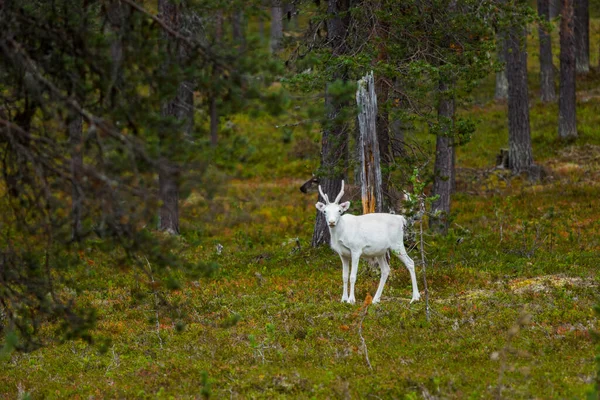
(547, 90)
(567, 120)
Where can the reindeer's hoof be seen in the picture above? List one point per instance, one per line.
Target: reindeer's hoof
(415, 298)
(351, 301)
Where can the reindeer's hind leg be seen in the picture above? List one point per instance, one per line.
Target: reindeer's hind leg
(400, 251)
(385, 271)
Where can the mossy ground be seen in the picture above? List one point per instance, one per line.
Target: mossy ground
(511, 289)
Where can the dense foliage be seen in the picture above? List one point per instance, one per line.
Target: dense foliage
(105, 64)
(240, 305)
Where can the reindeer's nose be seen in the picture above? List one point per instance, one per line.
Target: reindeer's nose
(331, 223)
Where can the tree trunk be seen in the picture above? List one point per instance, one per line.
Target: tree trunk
(519, 134)
(182, 108)
(169, 196)
(444, 163)
(397, 126)
(582, 36)
(383, 137)
(370, 177)
(555, 6)
(276, 25)
(382, 88)
(214, 111)
(567, 122)
(334, 143)
(547, 90)
(116, 13)
(501, 91)
(75, 139)
(238, 29)
(290, 16)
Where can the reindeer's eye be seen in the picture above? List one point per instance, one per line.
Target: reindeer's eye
(340, 211)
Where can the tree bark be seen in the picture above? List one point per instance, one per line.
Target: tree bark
(567, 122)
(75, 140)
(276, 25)
(181, 107)
(444, 163)
(519, 131)
(547, 90)
(334, 143)
(582, 36)
(370, 177)
(555, 7)
(116, 13)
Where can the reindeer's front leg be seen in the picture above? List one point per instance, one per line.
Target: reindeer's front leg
(353, 273)
(345, 275)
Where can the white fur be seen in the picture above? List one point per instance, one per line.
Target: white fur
(371, 235)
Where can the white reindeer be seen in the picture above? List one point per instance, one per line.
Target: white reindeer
(371, 235)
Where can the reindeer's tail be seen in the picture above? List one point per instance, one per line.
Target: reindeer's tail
(404, 221)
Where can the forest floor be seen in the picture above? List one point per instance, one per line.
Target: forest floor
(511, 292)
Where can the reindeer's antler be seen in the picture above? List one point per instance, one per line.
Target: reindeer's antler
(339, 196)
(323, 195)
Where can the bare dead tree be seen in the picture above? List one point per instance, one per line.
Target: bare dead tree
(370, 167)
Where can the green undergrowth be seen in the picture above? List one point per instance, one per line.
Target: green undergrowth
(511, 288)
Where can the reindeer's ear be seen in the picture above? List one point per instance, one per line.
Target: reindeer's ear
(320, 206)
(345, 206)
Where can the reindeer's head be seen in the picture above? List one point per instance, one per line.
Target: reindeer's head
(332, 211)
(310, 185)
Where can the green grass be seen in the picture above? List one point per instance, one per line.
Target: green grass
(511, 288)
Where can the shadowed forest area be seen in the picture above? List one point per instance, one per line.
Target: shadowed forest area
(155, 243)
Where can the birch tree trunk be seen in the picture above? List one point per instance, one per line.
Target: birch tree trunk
(547, 90)
(567, 121)
(370, 177)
